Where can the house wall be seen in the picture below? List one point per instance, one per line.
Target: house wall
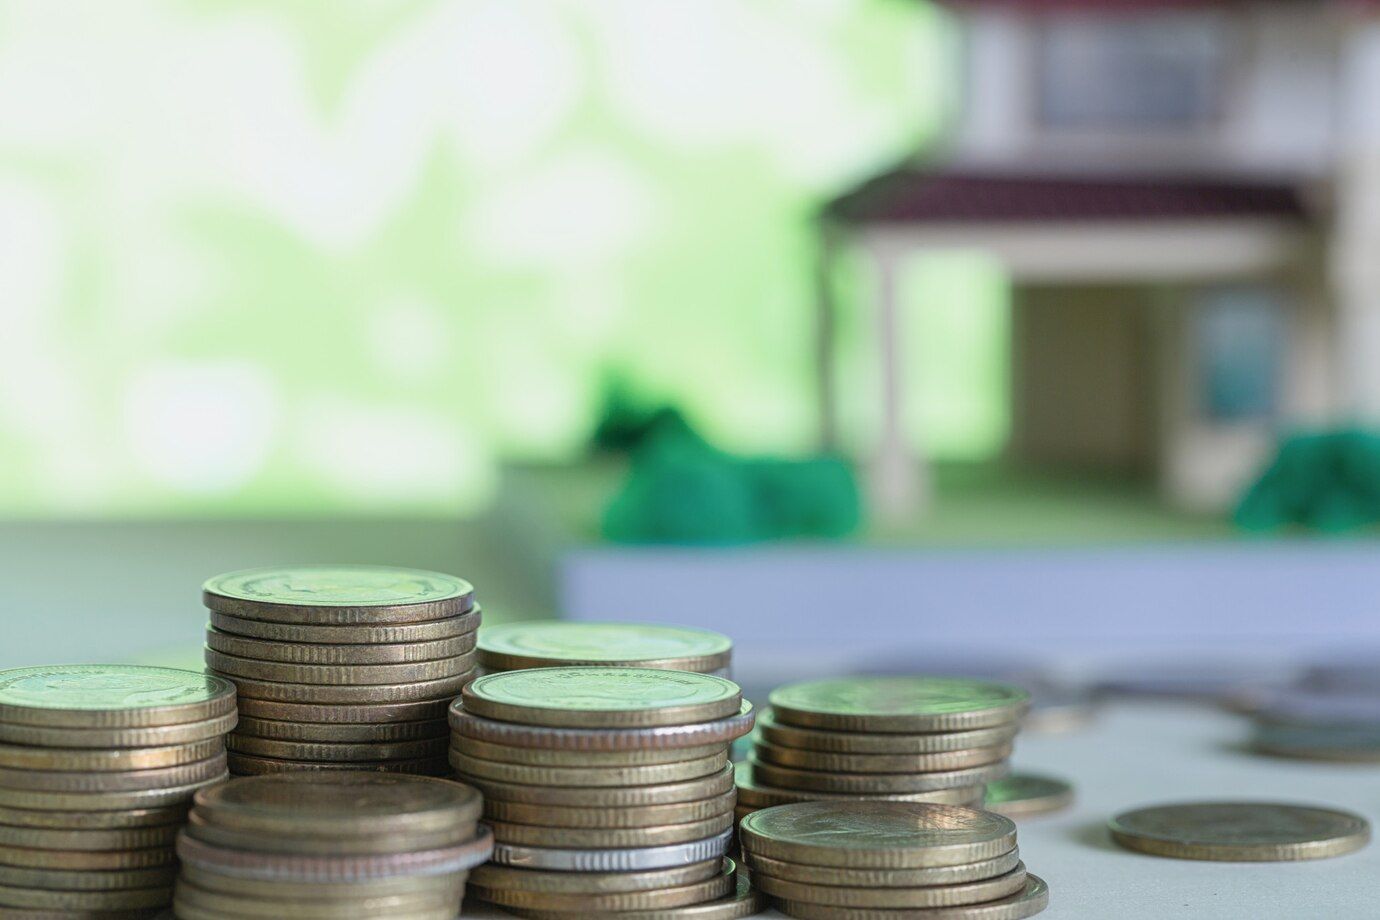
(1081, 390)
(1281, 99)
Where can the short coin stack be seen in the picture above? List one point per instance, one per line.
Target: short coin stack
(868, 860)
(98, 765)
(930, 739)
(559, 644)
(341, 667)
(330, 847)
(608, 790)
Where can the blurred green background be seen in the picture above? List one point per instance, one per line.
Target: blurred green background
(284, 258)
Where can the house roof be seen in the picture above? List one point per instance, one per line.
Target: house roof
(916, 196)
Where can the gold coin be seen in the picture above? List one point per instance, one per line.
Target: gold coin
(646, 816)
(270, 889)
(339, 674)
(782, 735)
(120, 781)
(126, 838)
(341, 805)
(899, 704)
(190, 895)
(360, 714)
(464, 624)
(188, 911)
(250, 765)
(1240, 831)
(816, 781)
(66, 759)
(335, 655)
(296, 750)
(492, 875)
(718, 886)
(555, 757)
(105, 696)
(879, 763)
(305, 867)
(961, 893)
(350, 694)
(648, 775)
(1333, 743)
(876, 835)
(883, 878)
(561, 643)
(611, 797)
(327, 733)
(743, 901)
(102, 801)
(41, 899)
(70, 880)
(95, 820)
(84, 861)
(601, 697)
(609, 837)
(343, 595)
(1022, 795)
(1027, 902)
(160, 736)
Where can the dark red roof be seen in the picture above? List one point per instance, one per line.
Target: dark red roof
(917, 196)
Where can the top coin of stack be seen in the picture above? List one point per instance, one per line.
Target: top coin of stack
(608, 790)
(560, 644)
(98, 765)
(932, 739)
(341, 667)
(330, 847)
(855, 860)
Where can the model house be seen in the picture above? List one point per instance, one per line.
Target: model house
(1186, 199)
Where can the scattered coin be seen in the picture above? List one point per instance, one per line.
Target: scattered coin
(1240, 831)
(338, 595)
(1022, 795)
(516, 646)
(1338, 744)
(601, 697)
(898, 704)
(877, 835)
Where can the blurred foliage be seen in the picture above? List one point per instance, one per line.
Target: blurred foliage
(1328, 481)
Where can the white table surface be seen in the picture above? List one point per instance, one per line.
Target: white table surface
(1141, 754)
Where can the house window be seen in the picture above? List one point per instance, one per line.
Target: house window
(1160, 70)
(1241, 340)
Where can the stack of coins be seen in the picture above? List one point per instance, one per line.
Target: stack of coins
(330, 847)
(556, 644)
(98, 765)
(917, 739)
(608, 790)
(861, 859)
(341, 667)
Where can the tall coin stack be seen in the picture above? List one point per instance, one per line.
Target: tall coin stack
(861, 859)
(330, 847)
(608, 790)
(560, 644)
(98, 765)
(917, 739)
(341, 667)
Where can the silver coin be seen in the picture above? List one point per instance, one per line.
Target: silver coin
(627, 860)
(587, 739)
